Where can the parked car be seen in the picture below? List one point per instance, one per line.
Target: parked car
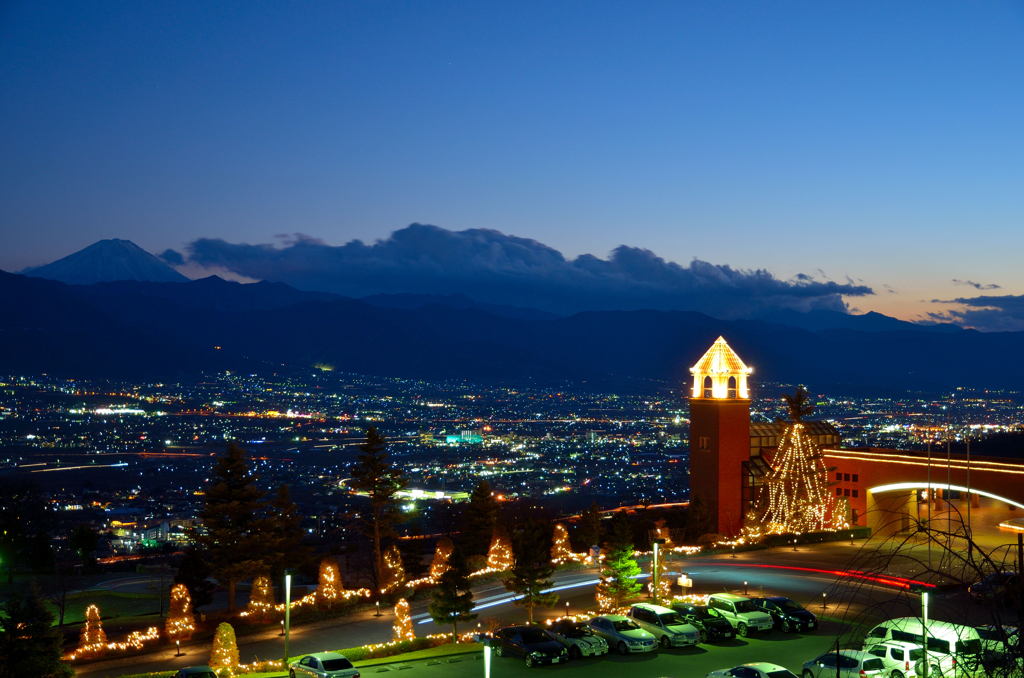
(949, 644)
(623, 634)
(195, 672)
(668, 627)
(712, 625)
(899, 657)
(741, 613)
(323, 665)
(998, 638)
(753, 670)
(578, 638)
(995, 585)
(787, 615)
(529, 642)
(844, 664)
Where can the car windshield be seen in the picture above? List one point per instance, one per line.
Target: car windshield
(788, 605)
(533, 636)
(783, 673)
(671, 619)
(970, 646)
(745, 606)
(573, 630)
(624, 625)
(701, 612)
(338, 664)
(873, 664)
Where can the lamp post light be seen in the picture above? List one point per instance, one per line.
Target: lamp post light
(656, 569)
(287, 613)
(744, 588)
(794, 544)
(282, 628)
(487, 660)
(734, 550)
(824, 600)
(377, 613)
(177, 648)
(567, 608)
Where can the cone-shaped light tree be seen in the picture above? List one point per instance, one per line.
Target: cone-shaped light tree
(499, 555)
(401, 629)
(329, 588)
(561, 549)
(224, 654)
(442, 552)
(798, 496)
(181, 621)
(261, 597)
(92, 642)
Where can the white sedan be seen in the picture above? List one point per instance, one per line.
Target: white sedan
(754, 670)
(323, 665)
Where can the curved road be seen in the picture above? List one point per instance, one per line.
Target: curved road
(851, 601)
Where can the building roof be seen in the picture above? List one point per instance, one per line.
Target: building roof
(775, 429)
(720, 359)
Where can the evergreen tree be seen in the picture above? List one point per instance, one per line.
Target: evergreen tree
(194, 573)
(232, 534)
(532, 567)
(84, 540)
(380, 479)
(26, 528)
(590, 526)
(479, 519)
(224, 654)
(618, 582)
(282, 534)
(451, 601)
(29, 643)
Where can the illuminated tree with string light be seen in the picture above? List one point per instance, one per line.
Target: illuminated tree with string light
(561, 549)
(224, 656)
(329, 588)
(393, 575)
(442, 554)
(181, 622)
(499, 555)
(798, 496)
(402, 627)
(93, 640)
(261, 597)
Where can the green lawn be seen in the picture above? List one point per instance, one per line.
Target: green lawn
(112, 604)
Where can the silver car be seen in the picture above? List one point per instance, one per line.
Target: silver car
(323, 665)
(623, 634)
(845, 664)
(579, 638)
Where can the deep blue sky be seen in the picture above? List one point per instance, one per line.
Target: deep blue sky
(879, 140)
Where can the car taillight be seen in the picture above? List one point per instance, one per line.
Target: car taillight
(863, 672)
(906, 666)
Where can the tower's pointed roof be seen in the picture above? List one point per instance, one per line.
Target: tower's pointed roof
(720, 359)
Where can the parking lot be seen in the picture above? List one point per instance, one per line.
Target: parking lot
(789, 650)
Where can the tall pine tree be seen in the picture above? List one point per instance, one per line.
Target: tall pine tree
(376, 475)
(282, 535)
(232, 532)
(451, 601)
(478, 520)
(532, 567)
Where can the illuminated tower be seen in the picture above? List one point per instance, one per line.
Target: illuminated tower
(720, 435)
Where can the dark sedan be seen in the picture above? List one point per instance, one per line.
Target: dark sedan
(786, 614)
(529, 642)
(712, 626)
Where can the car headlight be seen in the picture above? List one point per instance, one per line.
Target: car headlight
(535, 653)
(634, 642)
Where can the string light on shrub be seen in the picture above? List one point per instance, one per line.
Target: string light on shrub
(93, 640)
(261, 597)
(224, 655)
(561, 549)
(394, 573)
(329, 589)
(181, 622)
(442, 553)
(499, 555)
(402, 627)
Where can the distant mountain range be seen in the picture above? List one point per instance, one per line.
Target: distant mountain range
(131, 328)
(107, 260)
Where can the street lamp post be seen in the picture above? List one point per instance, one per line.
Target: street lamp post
(656, 569)
(287, 613)
(923, 591)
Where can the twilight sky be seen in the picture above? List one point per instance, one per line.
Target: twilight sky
(874, 142)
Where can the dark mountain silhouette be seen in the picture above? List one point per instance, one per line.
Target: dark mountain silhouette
(130, 328)
(107, 260)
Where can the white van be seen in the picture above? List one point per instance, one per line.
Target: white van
(962, 643)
